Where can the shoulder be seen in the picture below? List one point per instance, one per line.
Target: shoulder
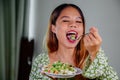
(38, 61)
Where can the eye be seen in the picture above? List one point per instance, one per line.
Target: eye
(78, 21)
(65, 21)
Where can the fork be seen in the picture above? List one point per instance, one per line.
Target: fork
(82, 35)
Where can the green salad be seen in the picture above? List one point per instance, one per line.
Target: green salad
(59, 68)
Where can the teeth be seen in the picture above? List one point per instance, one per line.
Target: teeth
(72, 33)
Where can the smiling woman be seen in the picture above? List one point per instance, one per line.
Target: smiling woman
(65, 26)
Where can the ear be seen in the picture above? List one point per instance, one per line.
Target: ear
(53, 28)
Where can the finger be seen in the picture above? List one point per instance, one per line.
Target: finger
(90, 41)
(93, 29)
(95, 33)
(87, 38)
(87, 41)
(48, 76)
(92, 37)
(53, 78)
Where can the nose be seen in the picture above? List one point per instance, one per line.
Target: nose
(72, 24)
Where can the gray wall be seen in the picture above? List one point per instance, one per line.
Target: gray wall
(104, 14)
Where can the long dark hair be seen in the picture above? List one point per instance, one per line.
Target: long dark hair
(52, 42)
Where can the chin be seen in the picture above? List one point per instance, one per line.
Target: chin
(71, 45)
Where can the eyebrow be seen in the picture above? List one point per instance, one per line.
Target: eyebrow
(68, 17)
(64, 17)
(79, 17)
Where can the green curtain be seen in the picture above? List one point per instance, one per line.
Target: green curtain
(14, 16)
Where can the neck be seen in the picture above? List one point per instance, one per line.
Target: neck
(65, 51)
(66, 55)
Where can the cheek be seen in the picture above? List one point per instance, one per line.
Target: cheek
(60, 33)
(60, 29)
(81, 30)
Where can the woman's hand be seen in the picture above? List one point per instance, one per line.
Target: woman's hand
(92, 42)
(48, 76)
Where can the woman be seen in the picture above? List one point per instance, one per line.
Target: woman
(82, 51)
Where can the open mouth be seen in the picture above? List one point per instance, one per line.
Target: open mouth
(72, 35)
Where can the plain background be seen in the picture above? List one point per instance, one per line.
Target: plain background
(104, 14)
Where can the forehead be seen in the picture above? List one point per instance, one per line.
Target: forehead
(70, 11)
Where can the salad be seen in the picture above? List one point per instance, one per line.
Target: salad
(59, 68)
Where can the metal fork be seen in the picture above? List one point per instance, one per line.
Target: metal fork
(82, 35)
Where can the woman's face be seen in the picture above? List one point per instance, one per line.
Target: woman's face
(68, 27)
